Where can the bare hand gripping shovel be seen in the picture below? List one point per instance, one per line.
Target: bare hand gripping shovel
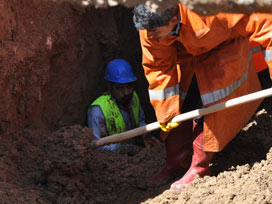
(182, 117)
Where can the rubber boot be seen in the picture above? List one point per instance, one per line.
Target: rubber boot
(179, 149)
(200, 162)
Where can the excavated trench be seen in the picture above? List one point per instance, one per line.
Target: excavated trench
(52, 59)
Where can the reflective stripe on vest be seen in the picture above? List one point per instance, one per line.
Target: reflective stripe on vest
(224, 92)
(166, 93)
(114, 119)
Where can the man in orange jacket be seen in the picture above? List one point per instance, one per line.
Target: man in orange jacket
(192, 62)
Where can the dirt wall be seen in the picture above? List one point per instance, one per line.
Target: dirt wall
(52, 59)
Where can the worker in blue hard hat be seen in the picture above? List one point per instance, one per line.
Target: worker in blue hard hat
(119, 108)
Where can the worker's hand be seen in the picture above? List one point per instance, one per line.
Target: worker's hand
(167, 127)
(150, 141)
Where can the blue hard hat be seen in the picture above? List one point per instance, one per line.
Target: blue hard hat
(119, 71)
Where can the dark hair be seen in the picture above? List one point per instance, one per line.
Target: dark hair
(143, 18)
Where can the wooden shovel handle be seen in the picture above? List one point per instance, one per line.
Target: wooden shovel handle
(182, 117)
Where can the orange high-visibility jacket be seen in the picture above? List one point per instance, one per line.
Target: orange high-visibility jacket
(216, 49)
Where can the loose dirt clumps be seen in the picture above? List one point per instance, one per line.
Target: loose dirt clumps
(52, 59)
(61, 168)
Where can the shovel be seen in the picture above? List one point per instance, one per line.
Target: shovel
(182, 117)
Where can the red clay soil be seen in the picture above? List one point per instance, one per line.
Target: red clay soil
(61, 168)
(51, 65)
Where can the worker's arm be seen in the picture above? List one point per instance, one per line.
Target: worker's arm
(96, 121)
(149, 140)
(159, 63)
(259, 28)
(141, 117)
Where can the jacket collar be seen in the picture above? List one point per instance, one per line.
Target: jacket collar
(175, 31)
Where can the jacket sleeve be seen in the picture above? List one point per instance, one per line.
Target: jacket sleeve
(96, 121)
(159, 63)
(141, 117)
(259, 28)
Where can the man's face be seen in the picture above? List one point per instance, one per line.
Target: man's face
(162, 31)
(122, 93)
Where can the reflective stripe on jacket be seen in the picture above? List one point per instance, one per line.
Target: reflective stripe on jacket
(114, 120)
(216, 49)
(260, 56)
